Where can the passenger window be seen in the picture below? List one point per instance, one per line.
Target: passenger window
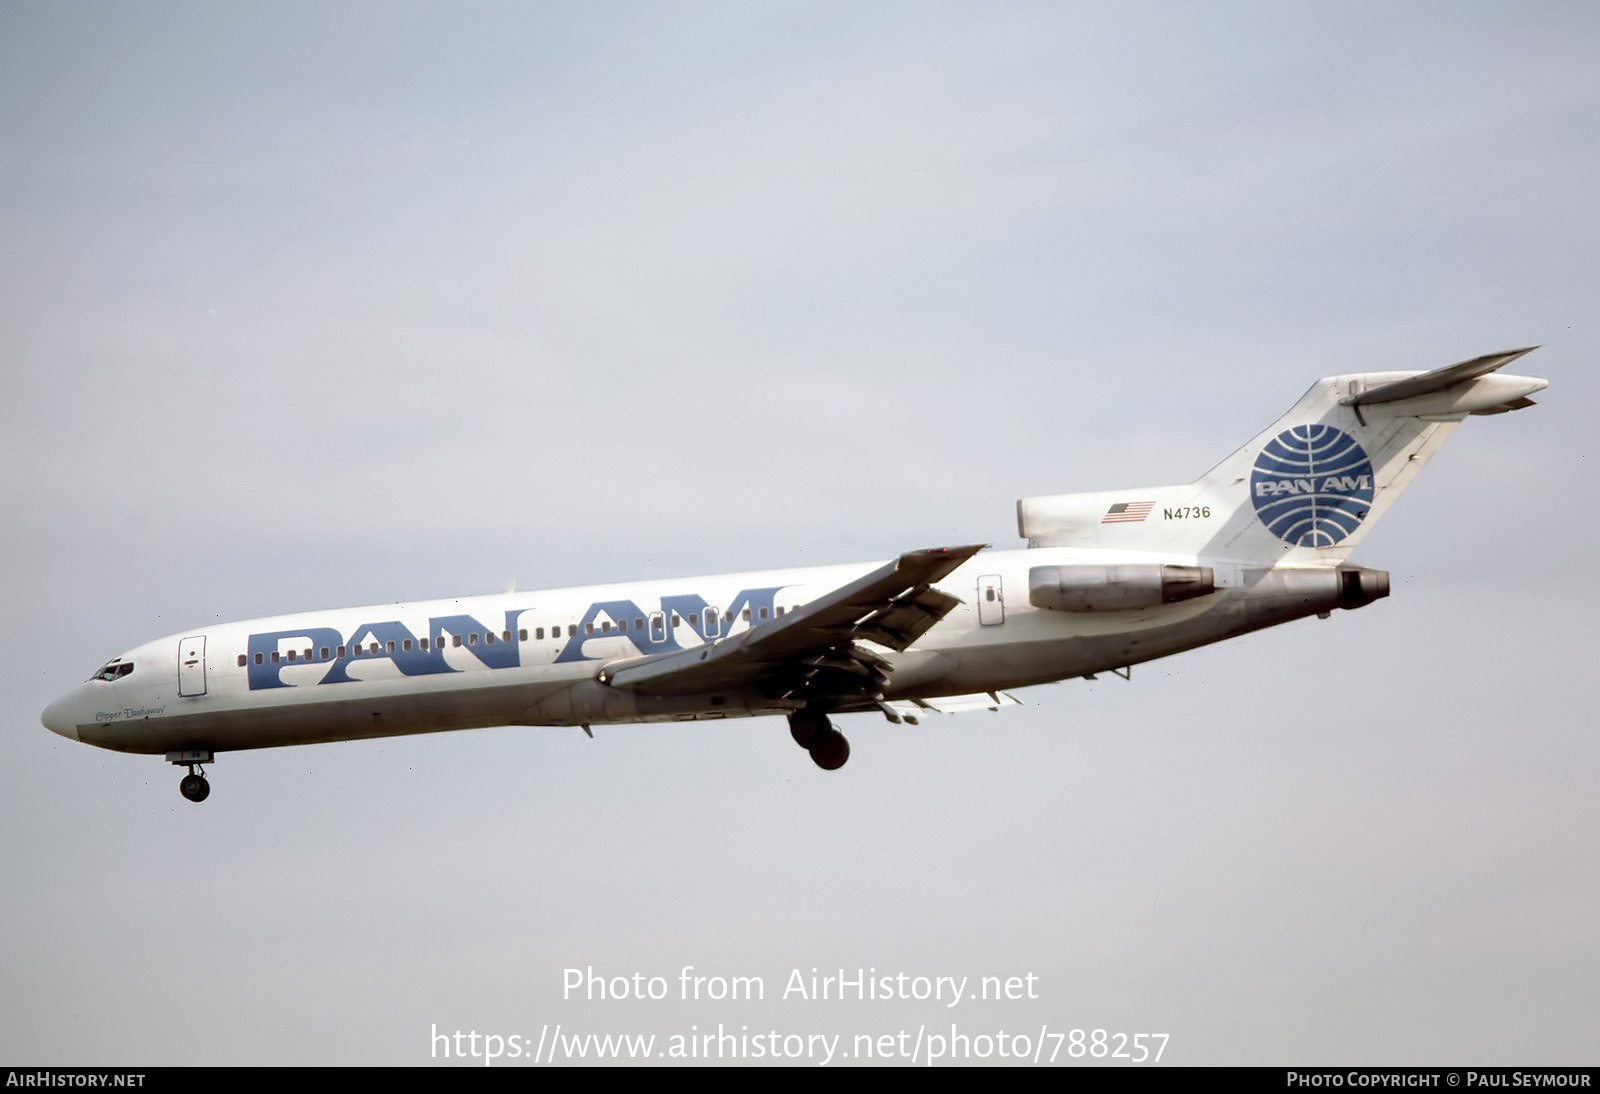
(422, 643)
(762, 613)
(241, 660)
(291, 655)
(780, 609)
(605, 628)
(676, 622)
(324, 653)
(588, 628)
(745, 615)
(505, 636)
(259, 659)
(538, 632)
(622, 624)
(572, 630)
(488, 638)
(638, 624)
(405, 645)
(341, 651)
(388, 647)
(274, 657)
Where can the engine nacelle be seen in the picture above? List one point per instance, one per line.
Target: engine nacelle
(1359, 586)
(1116, 588)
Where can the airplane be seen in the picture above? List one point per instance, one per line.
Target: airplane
(1107, 580)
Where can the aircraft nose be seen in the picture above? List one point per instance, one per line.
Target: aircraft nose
(57, 718)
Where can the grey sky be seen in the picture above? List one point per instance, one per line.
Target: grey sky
(308, 305)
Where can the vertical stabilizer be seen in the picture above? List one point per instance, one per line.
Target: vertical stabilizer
(1309, 487)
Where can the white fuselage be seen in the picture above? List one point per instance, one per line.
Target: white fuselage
(533, 658)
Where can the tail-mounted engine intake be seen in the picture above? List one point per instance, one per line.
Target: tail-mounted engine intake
(1115, 588)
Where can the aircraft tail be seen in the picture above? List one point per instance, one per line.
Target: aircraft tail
(1309, 487)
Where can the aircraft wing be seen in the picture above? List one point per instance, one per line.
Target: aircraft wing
(815, 648)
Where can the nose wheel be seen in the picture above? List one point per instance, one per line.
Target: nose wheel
(193, 785)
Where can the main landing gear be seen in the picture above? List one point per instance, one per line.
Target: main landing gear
(193, 785)
(813, 732)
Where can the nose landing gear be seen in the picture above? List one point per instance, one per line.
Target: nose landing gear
(193, 785)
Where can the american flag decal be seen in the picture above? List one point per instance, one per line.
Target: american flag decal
(1127, 512)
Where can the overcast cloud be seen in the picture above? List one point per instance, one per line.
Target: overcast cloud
(304, 305)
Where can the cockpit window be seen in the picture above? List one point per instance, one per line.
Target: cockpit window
(114, 670)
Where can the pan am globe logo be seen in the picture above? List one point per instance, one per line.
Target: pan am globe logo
(1312, 486)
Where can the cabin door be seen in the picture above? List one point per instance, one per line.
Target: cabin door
(991, 600)
(192, 665)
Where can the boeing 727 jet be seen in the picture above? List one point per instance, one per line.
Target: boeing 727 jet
(1107, 580)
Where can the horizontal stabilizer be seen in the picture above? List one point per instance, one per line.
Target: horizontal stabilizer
(1437, 380)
